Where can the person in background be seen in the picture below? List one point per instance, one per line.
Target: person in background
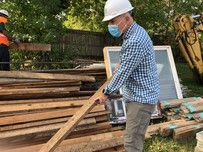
(5, 37)
(137, 73)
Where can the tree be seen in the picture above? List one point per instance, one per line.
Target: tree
(42, 20)
(86, 15)
(37, 21)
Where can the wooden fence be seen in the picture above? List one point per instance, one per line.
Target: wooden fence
(86, 43)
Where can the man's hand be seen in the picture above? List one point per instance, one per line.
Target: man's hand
(102, 99)
(16, 41)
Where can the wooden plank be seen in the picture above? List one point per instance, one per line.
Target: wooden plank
(72, 123)
(39, 138)
(100, 118)
(40, 106)
(93, 146)
(31, 101)
(40, 84)
(44, 115)
(43, 128)
(46, 76)
(167, 130)
(154, 129)
(5, 81)
(187, 131)
(106, 62)
(177, 102)
(31, 46)
(4, 92)
(84, 139)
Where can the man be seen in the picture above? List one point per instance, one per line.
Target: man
(137, 73)
(4, 41)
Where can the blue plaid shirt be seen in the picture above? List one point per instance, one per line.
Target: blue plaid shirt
(137, 73)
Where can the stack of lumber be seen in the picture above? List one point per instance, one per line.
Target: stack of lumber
(98, 73)
(34, 106)
(188, 109)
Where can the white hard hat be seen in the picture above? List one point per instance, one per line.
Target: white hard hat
(4, 12)
(115, 8)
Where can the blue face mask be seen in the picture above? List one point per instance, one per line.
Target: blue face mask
(114, 31)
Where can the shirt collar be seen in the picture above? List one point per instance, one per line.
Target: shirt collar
(130, 31)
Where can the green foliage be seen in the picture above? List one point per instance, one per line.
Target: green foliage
(186, 76)
(154, 15)
(43, 21)
(34, 21)
(86, 15)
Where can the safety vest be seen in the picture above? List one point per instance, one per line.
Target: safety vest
(3, 38)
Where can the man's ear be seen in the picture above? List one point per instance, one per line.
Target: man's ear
(127, 17)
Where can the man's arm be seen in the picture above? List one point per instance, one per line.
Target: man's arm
(10, 38)
(3, 31)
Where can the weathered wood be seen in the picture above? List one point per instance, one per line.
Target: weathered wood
(167, 130)
(176, 102)
(31, 101)
(154, 129)
(39, 138)
(46, 95)
(46, 76)
(98, 117)
(31, 46)
(116, 148)
(84, 139)
(72, 123)
(187, 131)
(193, 107)
(44, 115)
(42, 84)
(92, 146)
(41, 129)
(198, 116)
(4, 92)
(40, 106)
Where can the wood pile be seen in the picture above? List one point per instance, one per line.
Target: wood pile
(189, 110)
(34, 106)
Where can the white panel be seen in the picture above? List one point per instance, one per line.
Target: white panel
(169, 83)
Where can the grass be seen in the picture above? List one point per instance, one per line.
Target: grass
(167, 144)
(186, 76)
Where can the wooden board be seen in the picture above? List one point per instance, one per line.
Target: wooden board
(31, 46)
(44, 115)
(47, 76)
(73, 122)
(40, 106)
(11, 102)
(5, 92)
(84, 139)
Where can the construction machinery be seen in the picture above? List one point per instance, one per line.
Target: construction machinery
(188, 30)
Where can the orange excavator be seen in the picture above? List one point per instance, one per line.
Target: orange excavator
(189, 31)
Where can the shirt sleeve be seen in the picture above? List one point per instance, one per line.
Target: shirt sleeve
(2, 27)
(131, 58)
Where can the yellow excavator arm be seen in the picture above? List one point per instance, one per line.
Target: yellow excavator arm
(188, 29)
